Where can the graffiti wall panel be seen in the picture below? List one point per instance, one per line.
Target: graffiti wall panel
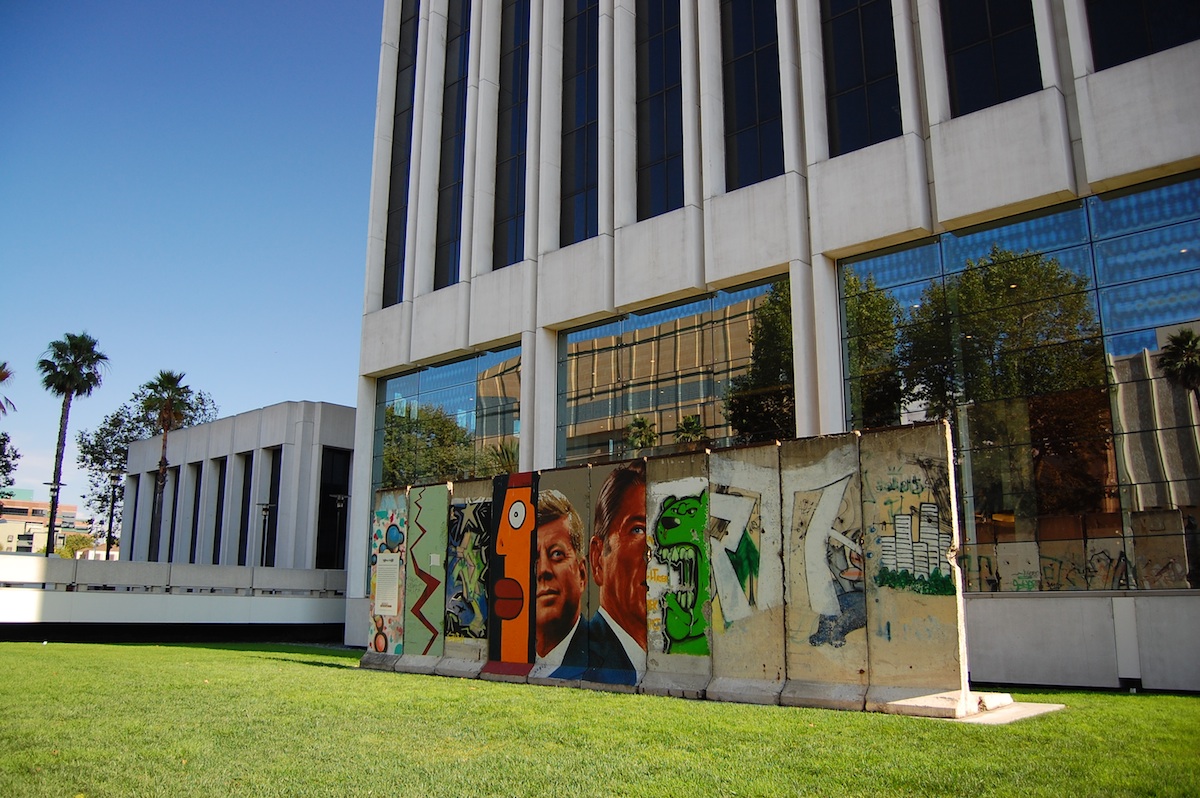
(1017, 566)
(469, 535)
(826, 638)
(510, 572)
(560, 574)
(617, 566)
(913, 591)
(388, 546)
(745, 539)
(678, 577)
(1160, 549)
(425, 571)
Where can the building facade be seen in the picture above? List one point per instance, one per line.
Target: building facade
(269, 487)
(23, 523)
(607, 227)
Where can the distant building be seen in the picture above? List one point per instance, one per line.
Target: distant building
(268, 487)
(23, 522)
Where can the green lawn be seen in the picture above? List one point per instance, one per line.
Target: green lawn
(117, 720)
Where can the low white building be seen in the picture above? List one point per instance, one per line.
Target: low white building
(264, 488)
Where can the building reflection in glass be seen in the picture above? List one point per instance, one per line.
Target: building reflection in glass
(1079, 464)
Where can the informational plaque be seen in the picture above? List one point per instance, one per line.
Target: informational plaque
(387, 584)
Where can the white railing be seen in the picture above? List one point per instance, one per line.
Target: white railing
(55, 574)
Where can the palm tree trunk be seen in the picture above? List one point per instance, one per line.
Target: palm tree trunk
(58, 460)
(156, 516)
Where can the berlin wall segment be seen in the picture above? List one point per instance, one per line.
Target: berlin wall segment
(815, 572)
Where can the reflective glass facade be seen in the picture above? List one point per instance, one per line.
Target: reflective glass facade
(716, 369)
(753, 102)
(1039, 339)
(862, 87)
(448, 256)
(991, 52)
(659, 108)
(508, 242)
(1123, 30)
(579, 210)
(450, 421)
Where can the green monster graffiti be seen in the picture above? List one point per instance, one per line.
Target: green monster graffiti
(681, 545)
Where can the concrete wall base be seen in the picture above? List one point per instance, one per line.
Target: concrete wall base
(744, 691)
(823, 695)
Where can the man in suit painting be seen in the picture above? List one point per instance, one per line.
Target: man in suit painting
(560, 578)
(617, 553)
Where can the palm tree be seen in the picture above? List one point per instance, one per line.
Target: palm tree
(690, 430)
(70, 367)
(166, 403)
(5, 375)
(640, 433)
(1180, 361)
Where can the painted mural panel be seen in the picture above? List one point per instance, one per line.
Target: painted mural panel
(824, 561)
(560, 575)
(468, 535)
(617, 563)
(913, 591)
(388, 547)
(425, 570)
(510, 584)
(745, 538)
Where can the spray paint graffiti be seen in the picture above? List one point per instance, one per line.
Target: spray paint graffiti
(833, 561)
(681, 546)
(735, 530)
(469, 536)
(388, 549)
(915, 545)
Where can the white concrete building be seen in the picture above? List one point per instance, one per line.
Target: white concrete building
(575, 204)
(260, 488)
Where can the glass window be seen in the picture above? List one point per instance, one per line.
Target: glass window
(1123, 30)
(1044, 348)
(862, 89)
(715, 369)
(991, 52)
(579, 212)
(397, 218)
(448, 252)
(753, 115)
(456, 420)
(508, 239)
(659, 108)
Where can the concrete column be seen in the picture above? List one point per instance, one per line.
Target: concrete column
(692, 90)
(606, 124)
(789, 87)
(359, 505)
(471, 137)
(624, 112)
(550, 160)
(485, 59)
(812, 80)
(533, 142)
(381, 159)
(540, 350)
(712, 103)
(933, 60)
(426, 151)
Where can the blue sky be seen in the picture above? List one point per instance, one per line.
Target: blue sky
(187, 182)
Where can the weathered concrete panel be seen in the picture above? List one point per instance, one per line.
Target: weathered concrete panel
(913, 589)
(826, 645)
(745, 540)
(388, 546)
(679, 587)
(425, 578)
